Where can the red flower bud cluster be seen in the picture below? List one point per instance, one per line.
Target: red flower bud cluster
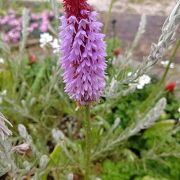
(170, 87)
(117, 52)
(74, 7)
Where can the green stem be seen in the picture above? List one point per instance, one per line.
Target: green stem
(170, 61)
(88, 142)
(108, 17)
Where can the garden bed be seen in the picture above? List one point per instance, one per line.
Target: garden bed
(131, 132)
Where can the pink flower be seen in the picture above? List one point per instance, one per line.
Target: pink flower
(83, 52)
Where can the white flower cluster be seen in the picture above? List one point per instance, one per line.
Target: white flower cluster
(47, 40)
(179, 113)
(70, 176)
(165, 64)
(141, 81)
(1, 60)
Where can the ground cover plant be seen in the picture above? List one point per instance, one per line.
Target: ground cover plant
(131, 133)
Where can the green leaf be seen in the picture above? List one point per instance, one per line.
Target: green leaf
(160, 128)
(55, 156)
(152, 178)
(54, 161)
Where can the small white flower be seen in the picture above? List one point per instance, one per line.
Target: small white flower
(140, 86)
(165, 64)
(172, 65)
(97, 178)
(4, 93)
(45, 39)
(70, 176)
(142, 81)
(55, 45)
(129, 74)
(1, 61)
(179, 109)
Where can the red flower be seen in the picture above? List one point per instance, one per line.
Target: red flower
(32, 59)
(170, 87)
(117, 52)
(74, 7)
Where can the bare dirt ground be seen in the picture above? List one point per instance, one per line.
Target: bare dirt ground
(150, 7)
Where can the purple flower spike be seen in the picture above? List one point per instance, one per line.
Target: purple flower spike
(83, 54)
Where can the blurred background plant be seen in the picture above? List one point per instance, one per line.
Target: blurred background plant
(135, 126)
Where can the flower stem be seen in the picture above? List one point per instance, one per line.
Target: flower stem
(170, 61)
(108, 17)
(88, 142)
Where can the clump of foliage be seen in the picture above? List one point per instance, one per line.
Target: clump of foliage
(153, 154)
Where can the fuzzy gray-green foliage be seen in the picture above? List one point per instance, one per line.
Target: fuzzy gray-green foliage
(25, 24)
(4, 131)
(113, 89)
(55, 6)
(8, 154)
(7, 161)
(111, 142)
(158, 50)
